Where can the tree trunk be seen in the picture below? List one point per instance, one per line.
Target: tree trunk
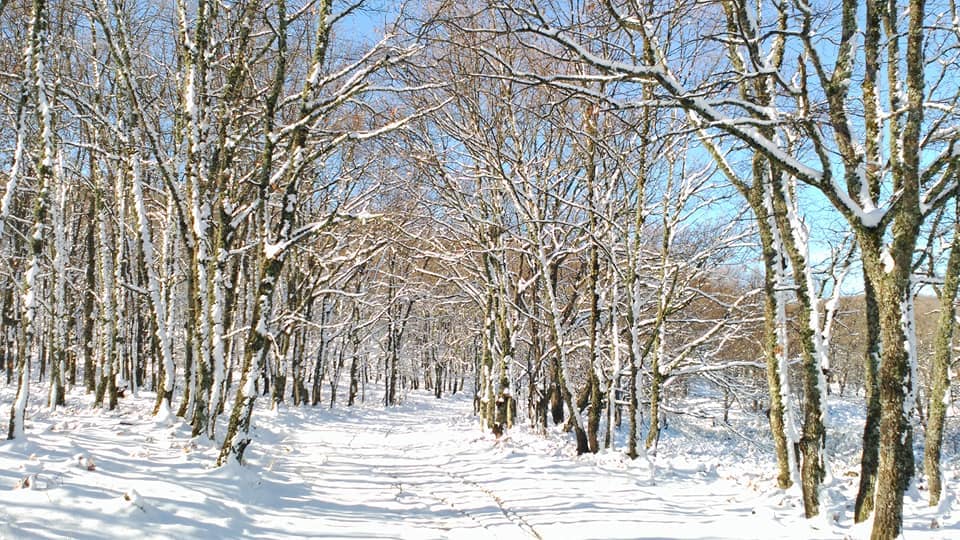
(354, 383)
(634, 407)
(555, 391)
(656, 383)
(871, 428)
(813, 438)
(895, 467)
(940, 371)
(36, 51)
(773, 349)
(319, 364)
(58, 326)
(237, 437)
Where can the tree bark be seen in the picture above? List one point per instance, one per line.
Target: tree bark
(871, 429)
(940, 370)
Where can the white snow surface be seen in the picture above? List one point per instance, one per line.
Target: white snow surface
(420, 470)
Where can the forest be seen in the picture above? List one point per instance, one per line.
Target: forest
(576, 212)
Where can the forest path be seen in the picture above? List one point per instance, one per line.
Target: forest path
(421, 470)
(393, 474)
(424, 470)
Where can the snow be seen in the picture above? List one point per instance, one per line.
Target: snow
(12, 174)
(250, 387)
(272, 250)
(752, 24)
(869, 215)
(887, 259)
(189, 97)
(419, 470)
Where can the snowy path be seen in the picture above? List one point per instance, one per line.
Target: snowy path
(419, 471)
(427, 472)
(397, 469)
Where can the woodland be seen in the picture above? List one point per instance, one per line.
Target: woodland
(578, 213)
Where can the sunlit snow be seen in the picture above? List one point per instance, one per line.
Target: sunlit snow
(420, 470)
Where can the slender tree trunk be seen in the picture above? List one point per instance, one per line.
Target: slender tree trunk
(593, 378)
(58, 350)
(773, 349)
(238, 430)
(297, 362)
(156, 298)
(633, 409)
(554, 318)
(812, 441)
(355, 344)
(354, 383)
(189, 372)
(36, 51)
(319, 365)
(536, 395)
(217, 307)
(656, 383)
(555, 391)
(335, 376)
(118, 309)
(940, 370)
(485, 394)
(871, 430)
(89, 296)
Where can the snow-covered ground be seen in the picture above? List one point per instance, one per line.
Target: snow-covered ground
(420, 470)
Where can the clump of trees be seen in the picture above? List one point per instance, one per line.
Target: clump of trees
(569, 210)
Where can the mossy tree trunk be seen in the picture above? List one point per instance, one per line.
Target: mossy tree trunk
(940, 369)
(869, 457)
